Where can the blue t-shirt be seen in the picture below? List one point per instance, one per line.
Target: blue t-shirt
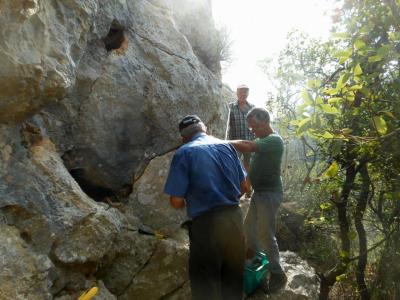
(207, 173)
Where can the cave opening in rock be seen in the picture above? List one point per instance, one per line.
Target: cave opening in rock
(115, 37)
(94, 191)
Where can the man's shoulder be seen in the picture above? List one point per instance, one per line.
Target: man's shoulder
(273, 138)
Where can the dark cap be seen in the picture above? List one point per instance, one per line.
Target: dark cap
(188, 120)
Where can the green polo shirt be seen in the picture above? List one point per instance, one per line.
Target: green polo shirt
(265, 164)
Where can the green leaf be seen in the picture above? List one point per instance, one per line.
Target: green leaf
(343, 254)
(335, 100)
(366, 91)
(336, 147)
(388, 113)
(357, 70)
(356, 87)
(343, 59)
(329, 109)
(384, 50)
(394, 36)
(347, 130)
(331, 91)
(380, 124)
(303, 125)
(341, 277)
(374, 58)
(314, 83)
(356, 111)
(350, 97)
(327, 135)
(359, 44)
(332, 170)
(325, 205)
(343, 56)
(294, 122)
(342, 80)
(307, 97)
(357, 79)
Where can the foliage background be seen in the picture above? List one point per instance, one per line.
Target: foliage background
(337, 105)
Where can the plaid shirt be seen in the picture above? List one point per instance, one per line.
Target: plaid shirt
(238, 129)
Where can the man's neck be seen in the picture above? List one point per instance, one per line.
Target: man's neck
(267, 132)
(193, 136)
(242, 102)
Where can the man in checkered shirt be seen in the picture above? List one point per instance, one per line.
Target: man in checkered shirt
(237, 125)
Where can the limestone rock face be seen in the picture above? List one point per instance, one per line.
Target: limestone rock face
(23, 274)
(40, 45)
(164, 276)
(137, 77)
(91, 92)
(192, 19)
(150, 204)
(114, 77)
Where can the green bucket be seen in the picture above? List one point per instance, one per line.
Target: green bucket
(254, 272)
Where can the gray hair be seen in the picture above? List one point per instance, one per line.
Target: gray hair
(259, 114)
(189, 131)
(243, 87)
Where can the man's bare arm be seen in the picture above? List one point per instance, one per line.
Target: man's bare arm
(177, 202)
(244, 187)
(244, 146)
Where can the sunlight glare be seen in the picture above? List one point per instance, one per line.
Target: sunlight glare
(258, 29)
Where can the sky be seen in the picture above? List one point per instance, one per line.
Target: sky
(258, 29)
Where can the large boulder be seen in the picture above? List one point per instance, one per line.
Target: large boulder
(51, 217)
(91, 92)
(137, 77)
(113, 79)
(149, 203)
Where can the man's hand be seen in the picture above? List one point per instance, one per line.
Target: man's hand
(177, 202)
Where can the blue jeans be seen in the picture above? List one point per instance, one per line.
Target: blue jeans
(260, 226)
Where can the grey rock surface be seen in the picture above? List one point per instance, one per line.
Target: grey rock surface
(23, 274)
(149, 202)
(90, 93)
(302, 283)
(163, 276)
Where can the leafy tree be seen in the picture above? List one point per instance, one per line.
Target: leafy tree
(350, 110)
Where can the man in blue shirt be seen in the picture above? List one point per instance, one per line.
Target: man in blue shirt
(207, 177)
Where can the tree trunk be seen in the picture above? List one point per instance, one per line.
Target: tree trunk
(328, 279)
(362, 238)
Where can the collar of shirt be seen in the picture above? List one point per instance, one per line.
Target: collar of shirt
(197, 135)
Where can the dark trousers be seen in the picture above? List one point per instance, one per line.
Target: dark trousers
(217, 254)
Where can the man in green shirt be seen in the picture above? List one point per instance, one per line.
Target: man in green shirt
(265, 177)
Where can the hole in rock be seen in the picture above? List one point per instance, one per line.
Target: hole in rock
(94, 191)
(115, 38)
(26, 237)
